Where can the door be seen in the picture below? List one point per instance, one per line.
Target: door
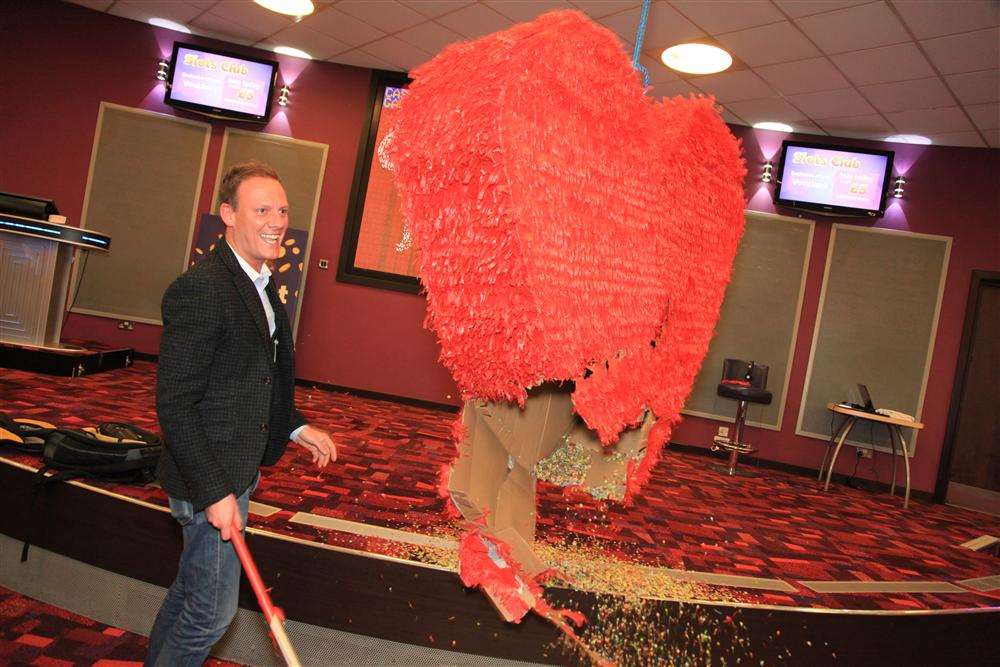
(970, 461)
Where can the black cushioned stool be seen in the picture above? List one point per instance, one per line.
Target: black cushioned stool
(743, 381)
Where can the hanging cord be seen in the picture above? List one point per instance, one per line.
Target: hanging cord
(640, 34)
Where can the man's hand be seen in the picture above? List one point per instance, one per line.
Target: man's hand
(224, 514)
(320, 445)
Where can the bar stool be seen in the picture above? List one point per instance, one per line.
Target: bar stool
(745, 382)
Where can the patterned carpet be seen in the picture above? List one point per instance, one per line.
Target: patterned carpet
(38, 634)
(777, 525)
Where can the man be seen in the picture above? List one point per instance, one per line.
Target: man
(224, 397)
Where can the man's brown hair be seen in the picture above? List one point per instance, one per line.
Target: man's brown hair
(239, 173)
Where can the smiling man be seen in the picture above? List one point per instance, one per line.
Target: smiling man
(225, 401)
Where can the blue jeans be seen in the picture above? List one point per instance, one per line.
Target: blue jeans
(202, 601)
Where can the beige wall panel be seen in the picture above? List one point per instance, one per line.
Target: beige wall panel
(300, 164)
(876, 324)
(759, 316)
(145, 178)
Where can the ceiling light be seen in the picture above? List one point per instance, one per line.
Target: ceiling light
(775, 127)
(696, 58)
(290, 51)
(290, 7)
(908, 139)
(169, 25)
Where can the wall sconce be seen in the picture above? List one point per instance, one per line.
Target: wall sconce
(897, 187)
(162, 70)
(765, 176)
(283, 96)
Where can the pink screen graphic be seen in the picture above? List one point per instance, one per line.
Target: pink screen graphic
(838, 178)
(221, 82)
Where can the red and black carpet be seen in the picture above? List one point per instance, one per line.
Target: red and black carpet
(777, 526)
(38, 634)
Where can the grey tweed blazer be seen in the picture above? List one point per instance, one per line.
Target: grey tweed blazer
(224, 390)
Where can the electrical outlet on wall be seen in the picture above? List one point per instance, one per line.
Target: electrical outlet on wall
(127, 325)
(864, 453)
(724, 431)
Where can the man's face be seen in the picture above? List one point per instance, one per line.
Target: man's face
(256, 227)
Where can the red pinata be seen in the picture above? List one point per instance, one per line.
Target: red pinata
(570, 227)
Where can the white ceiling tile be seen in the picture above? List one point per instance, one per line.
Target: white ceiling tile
(598, 8)
(475, 21)
(214, 25)
(807, 127)
(924, 121)
(733, 86)
(97, 5)
(657, 70)
(765, 45)
(673, 89)
(887, 63)
(985, 116)
(433, 8)
(521, 11)
(252, 16)
(861, 27)
(728, 15)
(971, 139)
(797, 8)
(386, 15)
(993, 138)
(933, 19)
(665, 27)
(872, 124)
(359, 58)
(731, 118)
(803, 76)
(976, 87)
(180, 12)
(966, 52)
(344, 27)
(914, 94)
(430, 36)
(396, 51)
(766, 109)
(832, 103)
(316, 44)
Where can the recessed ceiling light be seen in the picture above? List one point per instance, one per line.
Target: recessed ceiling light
(696, 58)
(776, 127)
(909, 139)
(290, 7)
(169, 25)
(291, 51)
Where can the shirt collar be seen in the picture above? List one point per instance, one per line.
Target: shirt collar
(253, 274)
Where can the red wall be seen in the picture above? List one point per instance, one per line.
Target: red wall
(949, 191)
(61, 61)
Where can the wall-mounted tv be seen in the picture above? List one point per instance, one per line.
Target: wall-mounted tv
(833, 180)
(221, 84)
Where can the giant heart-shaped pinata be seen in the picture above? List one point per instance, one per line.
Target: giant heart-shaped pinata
(569, 226)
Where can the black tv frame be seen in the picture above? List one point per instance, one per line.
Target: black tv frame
(830, 209)
(216, 112)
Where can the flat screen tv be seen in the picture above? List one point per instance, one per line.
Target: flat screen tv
(221, 84)
(833, 180)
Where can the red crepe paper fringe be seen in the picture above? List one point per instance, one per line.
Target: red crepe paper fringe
(570, 227)
(506, 583)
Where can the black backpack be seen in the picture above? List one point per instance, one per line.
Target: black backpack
(113, 451)
(23, 434)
